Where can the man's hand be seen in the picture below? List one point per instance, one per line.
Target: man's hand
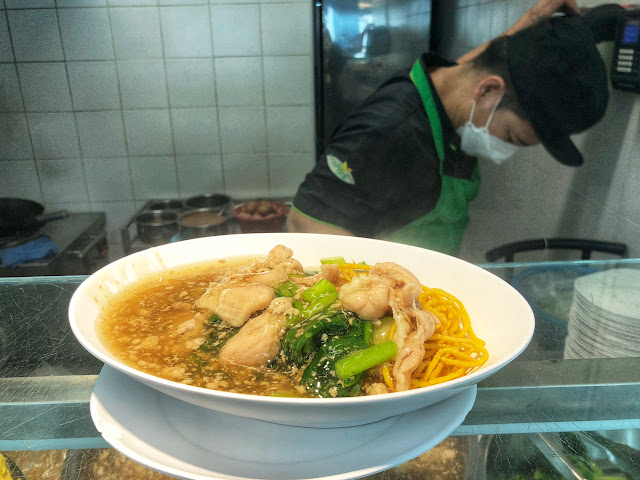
(298, 223)
(544, 9)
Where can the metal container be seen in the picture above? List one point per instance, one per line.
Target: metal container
(168, 204)
(217, 201)
(156, 227)
(203, 222)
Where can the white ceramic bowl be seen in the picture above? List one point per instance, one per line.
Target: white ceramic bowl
(499, 315)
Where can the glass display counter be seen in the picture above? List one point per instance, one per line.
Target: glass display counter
(566, 408)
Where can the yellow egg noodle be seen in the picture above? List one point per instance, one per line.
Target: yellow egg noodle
(452, 351)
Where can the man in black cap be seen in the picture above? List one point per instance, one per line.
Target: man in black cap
(403, 166)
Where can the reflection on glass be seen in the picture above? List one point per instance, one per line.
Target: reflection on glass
(583, 309)
(363, 43)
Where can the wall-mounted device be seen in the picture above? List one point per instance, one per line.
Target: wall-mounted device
(625, 69)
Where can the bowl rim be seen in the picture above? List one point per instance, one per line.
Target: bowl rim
(468, 380)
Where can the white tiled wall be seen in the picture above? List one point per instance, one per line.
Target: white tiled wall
(105, 104)
(532, 195)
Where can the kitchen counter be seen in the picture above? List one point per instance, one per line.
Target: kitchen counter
(46, 378)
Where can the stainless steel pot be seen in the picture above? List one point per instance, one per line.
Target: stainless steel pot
(203, 222)
(156, 227)
(217, 201)
(169, 204)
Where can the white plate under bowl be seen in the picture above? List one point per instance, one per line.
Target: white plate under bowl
(190, 442)
(499, 315)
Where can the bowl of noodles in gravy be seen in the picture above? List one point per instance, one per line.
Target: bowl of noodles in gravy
(301, 329)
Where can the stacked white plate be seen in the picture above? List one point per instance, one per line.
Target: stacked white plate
(604, 320)
(197, 433)
(194, 443)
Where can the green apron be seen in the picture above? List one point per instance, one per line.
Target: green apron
(443, 227)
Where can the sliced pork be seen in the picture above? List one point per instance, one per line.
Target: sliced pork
(270, 278)
(281, 257)
(413, 325)
(413, 328)
(258, 341)
(235, 304)
(367, 296)
(392, 287)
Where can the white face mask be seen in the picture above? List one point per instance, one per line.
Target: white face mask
(478, 142)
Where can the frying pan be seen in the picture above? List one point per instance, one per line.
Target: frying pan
(22, 217)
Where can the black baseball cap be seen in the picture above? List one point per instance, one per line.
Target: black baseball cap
(560, 80)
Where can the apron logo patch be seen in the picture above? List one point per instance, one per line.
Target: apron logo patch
(340, 169)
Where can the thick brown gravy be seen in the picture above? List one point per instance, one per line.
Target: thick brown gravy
(141, 327)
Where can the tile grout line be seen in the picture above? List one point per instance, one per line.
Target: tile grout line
(166, 88)
(147, 155)
(122, 120)
(81, 60)
(24, 114)
(75, 118)
(264, 99)
(205, 107)
(217, 99)
(133, 5)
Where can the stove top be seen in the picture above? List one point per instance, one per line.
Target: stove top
(78, 237)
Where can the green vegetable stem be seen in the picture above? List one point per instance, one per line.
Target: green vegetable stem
(332, 260)
(319, 305)
(323, 287)
(293, 320)
(367, 333)
(360, 361)
(287, 289)
(321, 296)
